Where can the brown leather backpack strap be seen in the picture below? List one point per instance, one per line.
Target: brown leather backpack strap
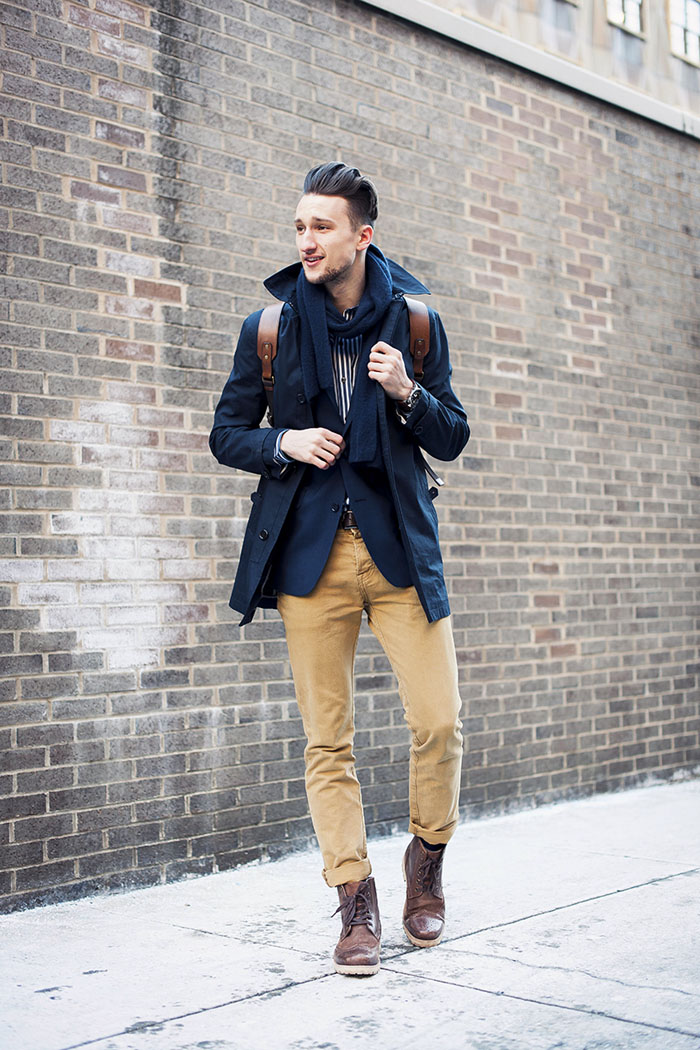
(268, 329)
(419, 321)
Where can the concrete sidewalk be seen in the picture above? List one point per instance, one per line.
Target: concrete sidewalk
(573, 926)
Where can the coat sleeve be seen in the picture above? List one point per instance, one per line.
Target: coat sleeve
(438, 422)
(237, 439)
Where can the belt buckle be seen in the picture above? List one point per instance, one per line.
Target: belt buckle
(348, 519)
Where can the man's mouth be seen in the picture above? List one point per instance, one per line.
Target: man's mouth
(311, 260)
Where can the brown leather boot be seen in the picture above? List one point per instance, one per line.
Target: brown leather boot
(357, 951)
(424, 910)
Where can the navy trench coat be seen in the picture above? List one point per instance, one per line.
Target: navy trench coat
(438, 426)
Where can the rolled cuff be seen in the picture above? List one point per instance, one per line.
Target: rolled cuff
(351, 871)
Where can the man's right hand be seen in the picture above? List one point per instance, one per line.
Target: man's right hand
(316, 446)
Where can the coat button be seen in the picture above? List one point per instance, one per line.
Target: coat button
(263, 534)
(418, 429)
(335, 507)
(301, 399)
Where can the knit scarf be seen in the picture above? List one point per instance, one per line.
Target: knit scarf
(319, 317)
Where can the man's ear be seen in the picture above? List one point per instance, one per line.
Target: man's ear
(364, 237)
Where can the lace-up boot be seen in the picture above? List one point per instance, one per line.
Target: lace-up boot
(424, 910)
(357, 951)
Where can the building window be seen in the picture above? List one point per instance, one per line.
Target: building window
(685, 29)
(626, 13)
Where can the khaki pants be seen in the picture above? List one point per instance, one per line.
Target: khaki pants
(322, 629)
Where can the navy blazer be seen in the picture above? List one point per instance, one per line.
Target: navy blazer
(438, 425)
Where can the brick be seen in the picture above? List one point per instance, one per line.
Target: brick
(44, 780)
(122, 93)
(51, 686)
(25, 806)
(120, 136)
(130, 351)
(108, 176)
(20, 665)
(49, 641)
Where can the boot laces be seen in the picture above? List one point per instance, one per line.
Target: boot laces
(428, 875)
(356, 909)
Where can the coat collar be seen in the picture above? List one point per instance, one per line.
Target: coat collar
(283, 283)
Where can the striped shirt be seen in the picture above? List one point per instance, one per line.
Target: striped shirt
(345, 354)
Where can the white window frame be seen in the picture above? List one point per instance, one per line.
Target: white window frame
(685, 29)
(623, 24)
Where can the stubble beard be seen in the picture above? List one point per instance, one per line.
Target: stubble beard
(330, 276)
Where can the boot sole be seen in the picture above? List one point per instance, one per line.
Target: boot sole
(356, 971)
(415, 940)
(422, 944)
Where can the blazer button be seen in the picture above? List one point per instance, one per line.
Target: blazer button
(301, 399)
(335, 507)
(263, 534)
(418, 429)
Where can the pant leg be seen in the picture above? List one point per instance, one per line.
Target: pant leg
(423, 658)
(322, 629)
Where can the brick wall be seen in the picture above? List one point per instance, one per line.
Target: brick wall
(151, 157)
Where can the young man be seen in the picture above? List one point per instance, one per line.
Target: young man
(343, 523)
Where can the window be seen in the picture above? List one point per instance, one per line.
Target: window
(626, 13)
(685, 29)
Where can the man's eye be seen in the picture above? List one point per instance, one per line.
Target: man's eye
(323, 227)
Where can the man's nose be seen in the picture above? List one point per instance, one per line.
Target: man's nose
(307, 240)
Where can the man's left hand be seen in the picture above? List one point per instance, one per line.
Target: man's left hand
(387, 367)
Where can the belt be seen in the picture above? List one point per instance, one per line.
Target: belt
(347, 520)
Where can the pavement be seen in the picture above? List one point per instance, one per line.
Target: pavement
(574, 926)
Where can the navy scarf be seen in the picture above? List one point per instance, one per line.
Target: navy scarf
(319, 317)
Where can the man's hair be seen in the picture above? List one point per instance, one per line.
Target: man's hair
(338, 180)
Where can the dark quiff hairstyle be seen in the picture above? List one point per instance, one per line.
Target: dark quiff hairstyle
(338, 180)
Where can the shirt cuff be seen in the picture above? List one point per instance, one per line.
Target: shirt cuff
(279, 456)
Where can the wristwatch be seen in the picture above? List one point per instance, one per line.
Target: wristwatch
(407, 406)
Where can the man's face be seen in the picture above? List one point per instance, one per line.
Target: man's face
(329, 243)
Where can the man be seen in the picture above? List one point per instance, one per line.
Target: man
(343, 522)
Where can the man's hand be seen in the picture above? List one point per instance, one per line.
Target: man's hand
(387, 367)
(317, 446)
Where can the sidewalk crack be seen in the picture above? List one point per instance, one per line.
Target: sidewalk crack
(146, 1026)
(572, 904)
(575, 970)
(248, 940)
(550, 1005)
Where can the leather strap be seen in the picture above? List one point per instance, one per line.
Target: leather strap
(268, 328)
(419, 321)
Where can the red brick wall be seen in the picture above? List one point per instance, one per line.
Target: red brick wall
(152, 156)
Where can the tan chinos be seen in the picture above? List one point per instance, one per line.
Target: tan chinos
(322, 630)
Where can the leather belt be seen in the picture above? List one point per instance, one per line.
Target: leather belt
(347, 520)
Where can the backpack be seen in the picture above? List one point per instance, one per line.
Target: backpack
(268, 330)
